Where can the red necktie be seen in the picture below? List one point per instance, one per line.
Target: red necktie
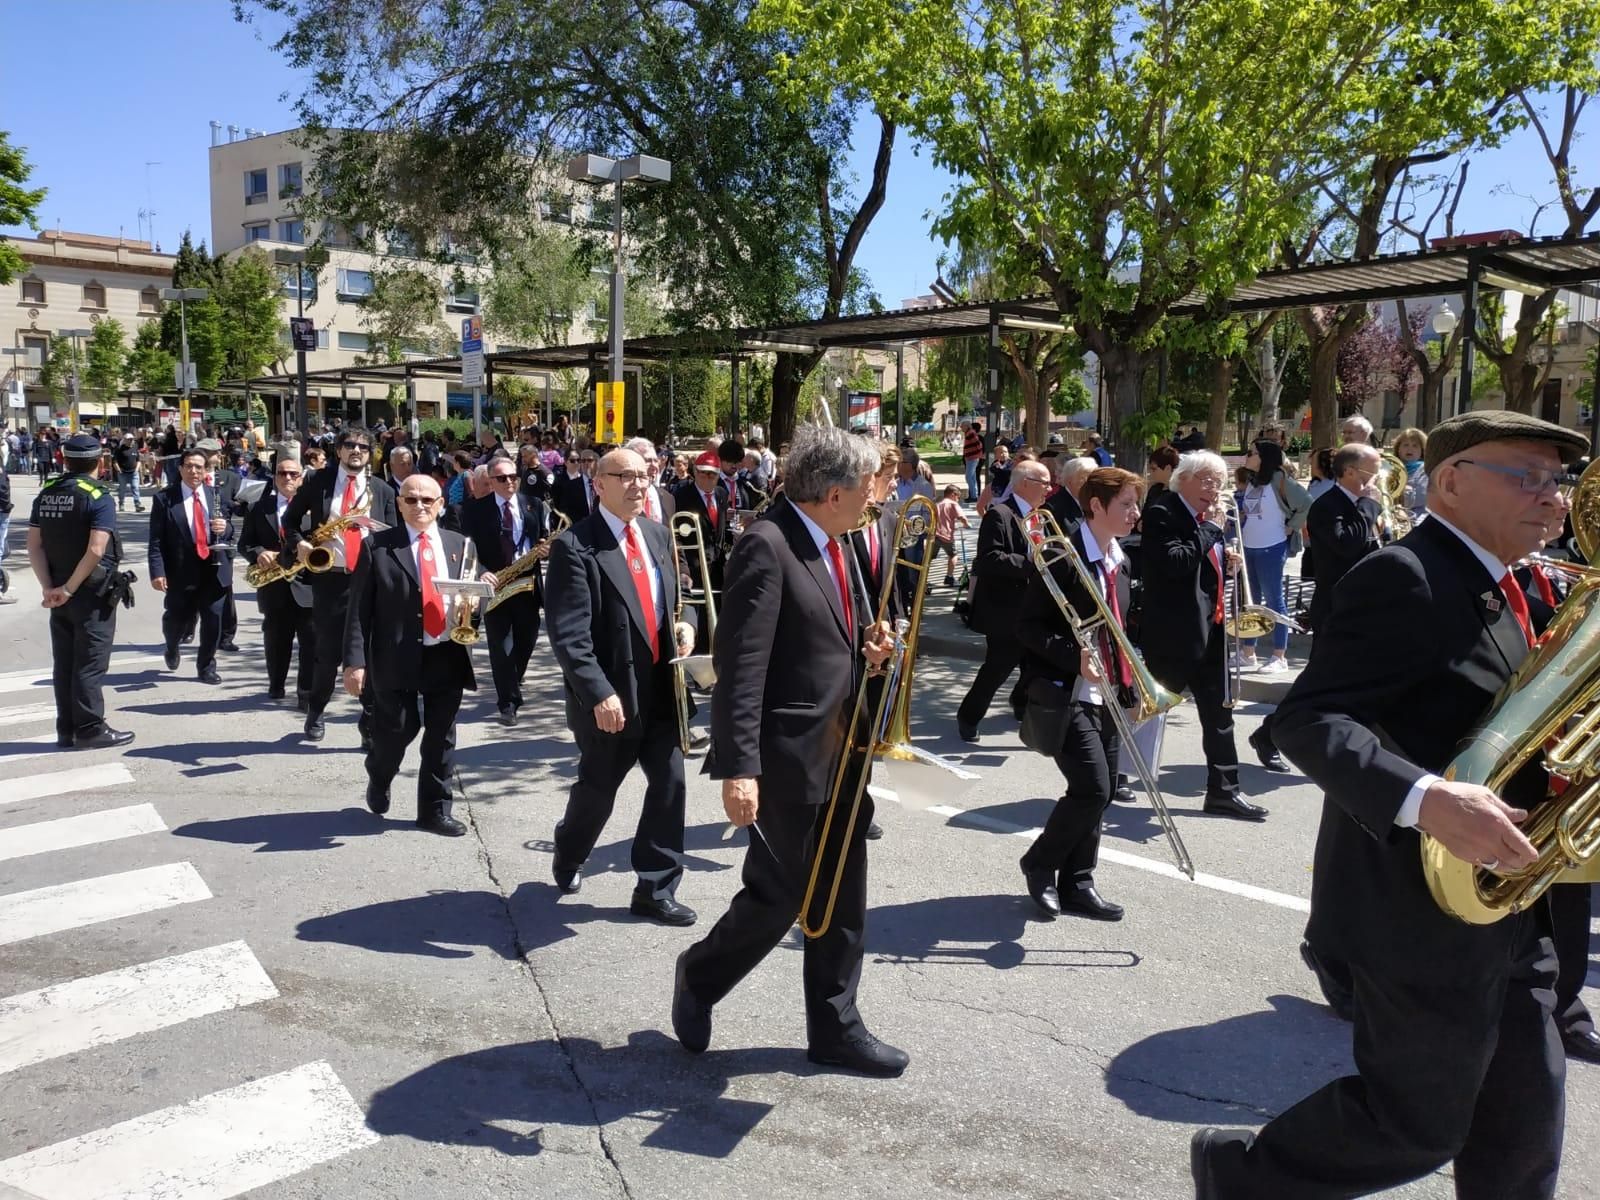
(352, 537)
(641, 584)
(432, 601)
(1215, 556)
(836, 556)
(711, 507)
(202, 540)
(1541, 583)
(872, 548)
(1519, 605)
(1033, 529)
(1109, 575)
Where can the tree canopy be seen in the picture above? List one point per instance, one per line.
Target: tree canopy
(19, 205)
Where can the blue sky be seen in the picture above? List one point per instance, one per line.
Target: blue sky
(113, 110)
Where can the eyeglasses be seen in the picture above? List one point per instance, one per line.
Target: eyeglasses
(423, 501)
(1530, 479)
(502, 477)
(289, 474)
(364, 447)
(628, 477)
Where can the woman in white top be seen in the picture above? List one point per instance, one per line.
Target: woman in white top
(1272, 512)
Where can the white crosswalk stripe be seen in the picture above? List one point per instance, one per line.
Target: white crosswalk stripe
(26, 713)
(21, 681)
(66, 906)
(217, 1146)
(68, 1017)
(41, 740)
(61, 783)
(86, 829)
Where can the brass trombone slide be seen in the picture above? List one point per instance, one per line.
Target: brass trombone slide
(1247, 618)
(688, 541)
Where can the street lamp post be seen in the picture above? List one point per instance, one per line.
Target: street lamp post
(596, 168)
(183, 296)
(300, 260)
(77, 370)
(1444, 324)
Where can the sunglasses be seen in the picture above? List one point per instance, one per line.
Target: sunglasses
(289, 474)
(364, 447)
(501, 478)
(423, 501)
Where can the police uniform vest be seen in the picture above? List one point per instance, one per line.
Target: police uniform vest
(65, 509)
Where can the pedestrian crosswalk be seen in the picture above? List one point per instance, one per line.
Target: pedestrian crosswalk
(209, 1146)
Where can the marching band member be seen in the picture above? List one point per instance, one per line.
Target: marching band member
(790, 644)
(504, 526)
(1455, 1049)
(227, 481)
(398, 628)
(707, 497)
(612, 594)
(285, 605)
(1059, 867)
(657, 502)
(1182, 633)
(1342, 524)
(346, 488)
(188, 529)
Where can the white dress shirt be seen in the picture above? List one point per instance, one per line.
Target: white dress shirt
(188, 509)
(1113, 557)
(617, 527)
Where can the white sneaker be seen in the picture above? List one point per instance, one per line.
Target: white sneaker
(1274, 666)
(1242, 663)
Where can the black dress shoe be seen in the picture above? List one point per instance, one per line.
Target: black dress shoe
(229, 645)
(967, 733)
(65, 741)
(1336, 992)
(691, 1020)
(276, 693)
(105, 739)
(1267, 752)
(443, 824)
(663, 909)
(1087, 902)
(314, 729)
(508, 717)
(1042, 887)
(861, 1052)
(1124, 795)
(568, 877)
(1582, 1044)
(187, 639)
(171, 659)
(377, 798)
(1202, 1159)
(1229, 805)
(874, 831)
(209, 675)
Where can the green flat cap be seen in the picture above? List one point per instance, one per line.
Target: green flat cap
(1449, 438)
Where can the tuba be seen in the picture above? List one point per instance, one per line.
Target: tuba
(1391, 481)
(521, 575)
(1551, 706)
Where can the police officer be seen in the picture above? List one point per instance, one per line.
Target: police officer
(74, 551)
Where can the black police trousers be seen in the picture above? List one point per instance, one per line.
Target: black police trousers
(81, 633)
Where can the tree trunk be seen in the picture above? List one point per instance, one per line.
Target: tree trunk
(1121, 369)
(1325, 393)
(789, 373)
(1221, 385)
(1035, 409)
(1271, 380)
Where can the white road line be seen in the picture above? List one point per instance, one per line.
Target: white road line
(28, 712)
(42, 739)
(21, 681)
(86, 829)
(59, 783)
(69, 1017)
(217, 1146)
(66, 906)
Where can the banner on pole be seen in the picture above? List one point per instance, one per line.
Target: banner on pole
(608, 401)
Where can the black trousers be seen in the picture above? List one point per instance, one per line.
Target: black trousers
(777, 867)
(1069, 844)
(399, 715)
(1570, 911)
(1467, 1069)
(604, 760)
(330, 603)
(230, 617)
(81, 633)
(186, 607)
(512, 631)
(1207, 682)
(283, 622)
(1002, 655)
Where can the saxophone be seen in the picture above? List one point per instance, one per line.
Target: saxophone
(519, 577)
(320, 558)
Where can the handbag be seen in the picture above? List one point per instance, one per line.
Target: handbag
(1044, 728)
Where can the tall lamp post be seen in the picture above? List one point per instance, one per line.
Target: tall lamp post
(1444, 324)
(301, 260)
(596, 168)
(76, 415)
(183, 296)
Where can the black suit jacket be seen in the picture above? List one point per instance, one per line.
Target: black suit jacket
(1179, 583)
(1415, 646)
(1064, 506)
(686, 498)
(1002, 566)
(314, 501)
(171, 550)
(873, 578)
(480, 521)
(597, 625)
(383, 627)
(259, 535)
(1341, 534)
(571, 496)
(1050, 652)
(787, 664)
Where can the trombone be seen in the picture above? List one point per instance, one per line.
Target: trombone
(1152, 698)
(688, 540)
(1248, 619)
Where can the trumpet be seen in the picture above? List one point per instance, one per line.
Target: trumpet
(522, 575)
(463, 632)
(688, 540)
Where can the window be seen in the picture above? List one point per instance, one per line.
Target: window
(149, 300)
(462, 300)
(402, 244)
(602, 213)
(94, 295)
(292, 281)
(260, 231)
(38, 349)
(334, 233)
(354, 285)
(293, 231)
(322, 339)
(556, 207)
(877, 379)
(288, 180)
(33, 291)
(354, 341)
(255, 186)
(455, 251)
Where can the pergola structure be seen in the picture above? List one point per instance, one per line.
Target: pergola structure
(1460, 268)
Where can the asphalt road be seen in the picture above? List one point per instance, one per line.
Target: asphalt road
(332, 1005)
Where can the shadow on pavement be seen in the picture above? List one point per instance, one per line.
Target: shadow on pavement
(618, 856)
(474, 1099)
(291, 830)
(973, 931)
(1254, 1066)
(229, 754)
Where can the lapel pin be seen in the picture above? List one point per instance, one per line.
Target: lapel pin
(1491, 601)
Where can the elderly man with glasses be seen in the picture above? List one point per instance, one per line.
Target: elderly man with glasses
(346, 488)
(285, 605)
(505, 525)
(573, 491)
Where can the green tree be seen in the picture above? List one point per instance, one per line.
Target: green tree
(18, 205)
(61, 362)
(247, 294)
(105, 359)
(150, 368)
(195, 268)
(1072, 395)
(404, 316)
(541, 282)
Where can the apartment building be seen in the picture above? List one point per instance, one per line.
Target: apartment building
(71, 281)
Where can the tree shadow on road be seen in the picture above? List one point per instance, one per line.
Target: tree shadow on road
(475, 1099)
(1252, 1066)
(974, 931)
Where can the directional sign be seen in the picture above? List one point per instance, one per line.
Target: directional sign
(472, 351)
(303, 333)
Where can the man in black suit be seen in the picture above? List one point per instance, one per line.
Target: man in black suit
(285, 605)
(1002, 568)
(705, 496)
(189, 527)
(1183, 561)
(398, 628)
(791, 640)
(573, 491)
(1067, 472)
(345, 487)
(1454, 1042)
(504, 526)
(612, 599)
(227, 481)
(1343, 522)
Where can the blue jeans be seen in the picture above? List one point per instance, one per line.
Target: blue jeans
(972, 478)
(1265, 566)
(128, 481)
(5, 533)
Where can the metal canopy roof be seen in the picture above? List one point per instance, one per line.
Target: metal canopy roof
(1527, 264)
